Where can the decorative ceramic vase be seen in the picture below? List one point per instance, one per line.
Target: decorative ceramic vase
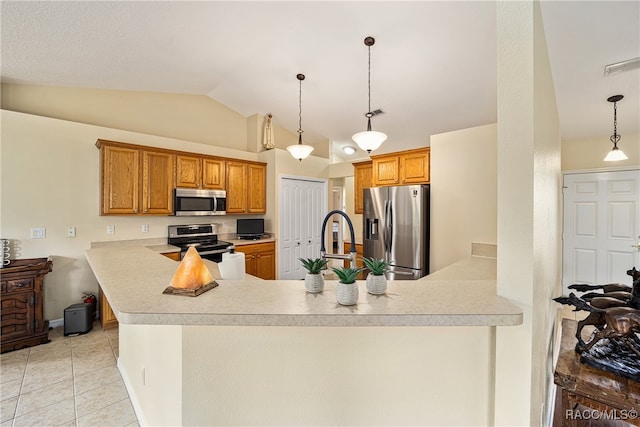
(347, 293)
(376, 285)
(314, 283)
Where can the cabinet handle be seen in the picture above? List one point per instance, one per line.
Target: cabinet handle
(135, 211)
(20, 285)
(145, 211)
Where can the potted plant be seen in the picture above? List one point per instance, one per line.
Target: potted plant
(313, 281)
(347, 289)
(376, 280)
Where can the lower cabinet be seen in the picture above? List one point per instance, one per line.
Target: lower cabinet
(173, 255)
(260, 259)
(108, 320)
(22, 297)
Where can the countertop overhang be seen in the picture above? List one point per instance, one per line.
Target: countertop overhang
(133, 278)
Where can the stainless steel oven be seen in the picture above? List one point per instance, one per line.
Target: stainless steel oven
(201, 236)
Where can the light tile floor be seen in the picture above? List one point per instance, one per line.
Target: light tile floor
(71, 381)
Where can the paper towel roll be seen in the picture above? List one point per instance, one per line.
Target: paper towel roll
(232, 266)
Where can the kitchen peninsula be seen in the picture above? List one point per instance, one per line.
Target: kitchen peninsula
(254, 352)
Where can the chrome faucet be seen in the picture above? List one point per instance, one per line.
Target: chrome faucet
(352, 249)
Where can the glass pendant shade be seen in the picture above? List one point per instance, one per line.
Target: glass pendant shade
(300, 151)
(615, 155)
(369, 140)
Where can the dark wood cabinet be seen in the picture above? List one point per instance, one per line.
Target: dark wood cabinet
(22, 319)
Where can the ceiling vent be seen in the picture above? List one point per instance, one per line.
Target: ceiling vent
(621, 67)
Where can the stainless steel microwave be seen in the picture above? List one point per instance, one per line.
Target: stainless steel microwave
(192, 202)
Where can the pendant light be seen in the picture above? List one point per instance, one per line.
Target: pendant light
(615, 154)
(369, 140)
(300, 151)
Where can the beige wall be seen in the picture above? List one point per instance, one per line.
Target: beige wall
(50, 178)
(589, 153)
(528, 213)
(310, 376)
(463, 193)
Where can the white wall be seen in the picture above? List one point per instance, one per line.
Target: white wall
(529, 189)
(463, 193)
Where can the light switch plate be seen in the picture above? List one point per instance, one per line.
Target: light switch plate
(111, 229)
(38, 233)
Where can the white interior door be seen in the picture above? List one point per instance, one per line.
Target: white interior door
(601, 227)
(303, 204)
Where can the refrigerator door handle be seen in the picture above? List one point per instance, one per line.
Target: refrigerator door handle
(390, 228)
(386, 230)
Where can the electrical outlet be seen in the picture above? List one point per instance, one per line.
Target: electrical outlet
(145, 228)
(38, 233)
(71, 232)
(111, 229)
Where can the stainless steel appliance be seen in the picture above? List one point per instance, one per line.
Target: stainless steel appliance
(396, 229)
(192, 202)
(201, 236)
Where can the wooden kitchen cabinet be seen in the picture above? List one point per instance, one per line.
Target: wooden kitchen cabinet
(402, 168)
(246, 187)
(120, 176)
(22, 300)
(260, 259)
(363, 178)
(135, 181)
(200, 172)
(157, 183)
(108, 319)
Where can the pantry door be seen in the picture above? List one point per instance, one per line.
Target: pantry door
(303, 204)
(601, 232)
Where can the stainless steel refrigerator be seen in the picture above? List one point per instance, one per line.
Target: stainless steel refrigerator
(396, 229)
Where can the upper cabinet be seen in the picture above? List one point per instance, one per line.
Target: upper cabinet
(402, 168)
(200, 172)
(157, 183)
(134, 180)
(139, 180)
(120, 176)
(363, 178)
(246, 187)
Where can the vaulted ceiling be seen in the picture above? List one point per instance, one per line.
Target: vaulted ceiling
(433, 66)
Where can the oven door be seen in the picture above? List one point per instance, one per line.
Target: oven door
(214, 255)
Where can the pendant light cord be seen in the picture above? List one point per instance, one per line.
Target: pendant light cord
(615, 137)
(300, 110)
(369, 81)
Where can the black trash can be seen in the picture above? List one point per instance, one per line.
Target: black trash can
(78, 318)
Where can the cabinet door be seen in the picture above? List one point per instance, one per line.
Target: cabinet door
(415, 167)
(188, 172)
(213, 174)
(386, 171)
(257, 197)
(236, 187)
(157, 183)
(266, 265)
(17, 315)
(120, 180)
(363, 178)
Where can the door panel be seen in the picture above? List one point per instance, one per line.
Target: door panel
(303, 204)
(601, 226)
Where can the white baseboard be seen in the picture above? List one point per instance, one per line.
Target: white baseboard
(56, 322)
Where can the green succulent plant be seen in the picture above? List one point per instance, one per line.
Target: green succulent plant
(346, 274)
(313, 266)
(376, 266)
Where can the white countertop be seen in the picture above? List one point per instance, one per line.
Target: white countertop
(133, 278)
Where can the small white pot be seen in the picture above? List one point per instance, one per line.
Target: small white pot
(376, 285)
(314, 283)
(347, 293)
